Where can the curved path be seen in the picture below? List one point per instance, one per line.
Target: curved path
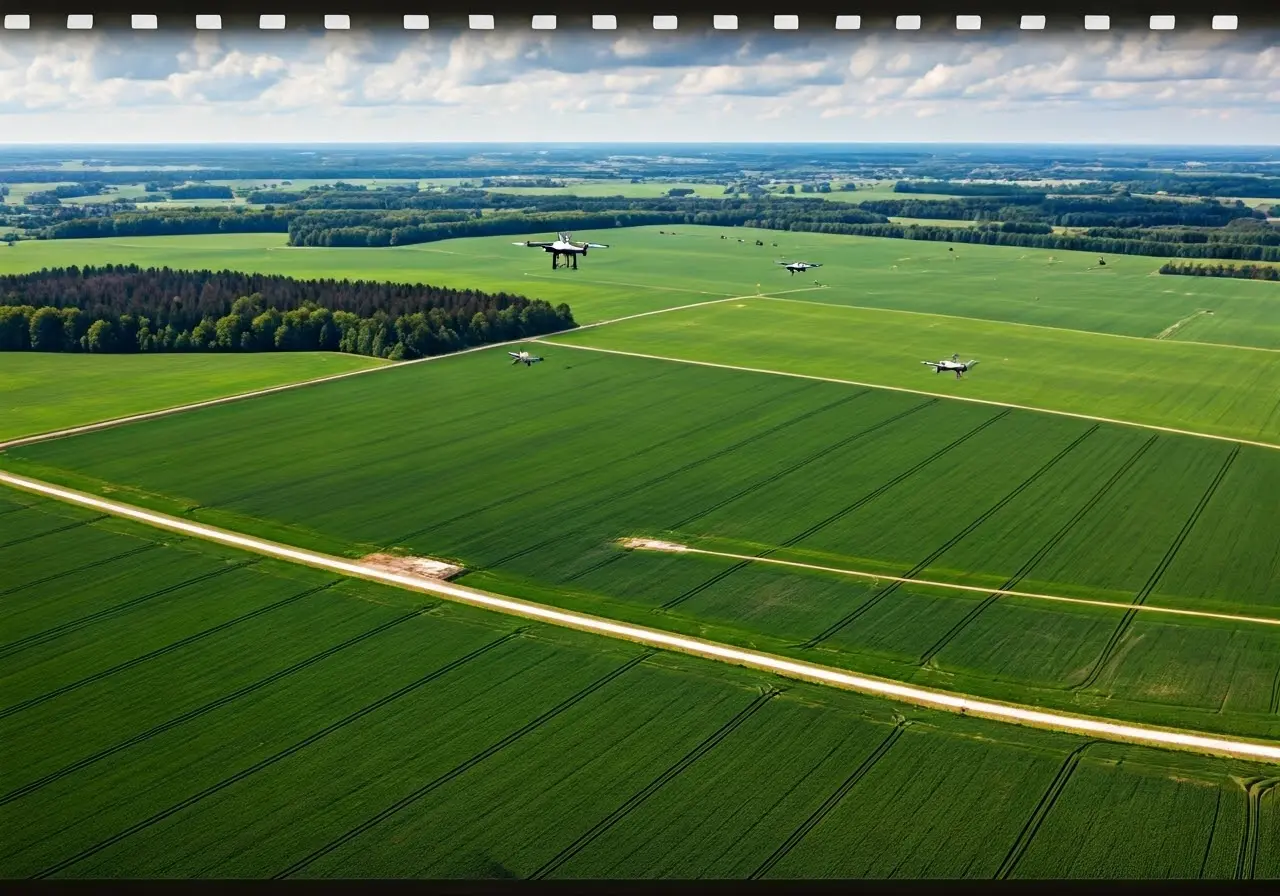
(1003, 712)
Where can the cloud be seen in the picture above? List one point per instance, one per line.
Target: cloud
(503, 84)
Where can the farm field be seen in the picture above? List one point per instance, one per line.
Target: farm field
(42, 392)
(647, 270)
(211, 714)
(822, 473)
(1219, 390)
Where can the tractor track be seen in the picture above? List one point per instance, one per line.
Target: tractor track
(829, 804)
(50, 634)
(1041, 811)
(279, 756)
(1039, 555)
(838, 626)
(162, 651)
(835, 517)
(82, 568)
(667, 476)
(226, 699)
(637, 799)
(1157, 574)
(460, 769)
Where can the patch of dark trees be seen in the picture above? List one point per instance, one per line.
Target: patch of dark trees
(124, 309)
(1068, 211)
(1239, 272)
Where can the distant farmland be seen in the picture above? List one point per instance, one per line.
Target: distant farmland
(647, 269)
(589, 448)
(173, 709)
(41, 392)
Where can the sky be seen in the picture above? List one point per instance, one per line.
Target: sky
(519, 85)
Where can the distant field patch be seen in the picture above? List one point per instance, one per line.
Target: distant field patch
(648, 268)
(1202, 388)
(42, 392)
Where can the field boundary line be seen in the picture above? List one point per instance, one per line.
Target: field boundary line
(544, 340)
(1009, 713)
(271, 390)
(1017, 323)
(975, 589)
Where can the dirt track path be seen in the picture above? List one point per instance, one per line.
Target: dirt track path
(941, 700)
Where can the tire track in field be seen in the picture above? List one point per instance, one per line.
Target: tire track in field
(83, 568)
(842, 623)
(451, 439)
(507, 499)
(768, 480)
(1157, 574)
(218, 703)
(1041, 811)
(835, 517)
(627, 492)
(639, 798)
(76, 525)
(829, 804)
(162, 651)
(1042, 552)
(460, 769)
(1247, 857)
(1213, 830)
(50, 634)
(279, 756)
(1275, 693)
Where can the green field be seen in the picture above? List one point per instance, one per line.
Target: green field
(646, 270)
(204, 713)
(1212, 389)
(44, 392)
(177, 710)
(421, 458)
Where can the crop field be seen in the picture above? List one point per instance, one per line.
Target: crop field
(203, 713)
(751, 465)
(647, 269)
(42, 392)
(1213, 389)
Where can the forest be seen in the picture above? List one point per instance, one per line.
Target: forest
(1239, 272)
(127, 309)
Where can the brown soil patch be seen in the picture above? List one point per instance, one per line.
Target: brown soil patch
(414, 566)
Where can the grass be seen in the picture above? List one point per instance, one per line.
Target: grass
(816, 472)
(45, 392)
(272, 720)
(647, 270)
(1203, 388)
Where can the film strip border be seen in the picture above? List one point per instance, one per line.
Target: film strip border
(934, 17)
(610, 22)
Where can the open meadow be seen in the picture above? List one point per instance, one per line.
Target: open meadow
(41, 392)
(646, 269)
(175, 709)
(528, 478)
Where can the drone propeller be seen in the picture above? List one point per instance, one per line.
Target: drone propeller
(596, 246)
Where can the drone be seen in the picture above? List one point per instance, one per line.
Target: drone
(798, 267)
(524, 358)
(563, 246)
(955, 364)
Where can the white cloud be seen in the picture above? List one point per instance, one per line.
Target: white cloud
(562, 85)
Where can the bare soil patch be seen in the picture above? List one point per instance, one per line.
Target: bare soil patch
(415, 566)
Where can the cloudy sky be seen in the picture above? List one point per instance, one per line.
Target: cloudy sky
(521, 85)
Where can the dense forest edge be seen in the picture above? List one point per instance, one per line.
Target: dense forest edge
(345, 217)
(126, 309)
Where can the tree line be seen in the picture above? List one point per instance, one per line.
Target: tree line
(1068, 211)
(127, 309)
(1241, 272)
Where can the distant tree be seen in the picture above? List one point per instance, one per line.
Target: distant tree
(101, 337)
(46, 330)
